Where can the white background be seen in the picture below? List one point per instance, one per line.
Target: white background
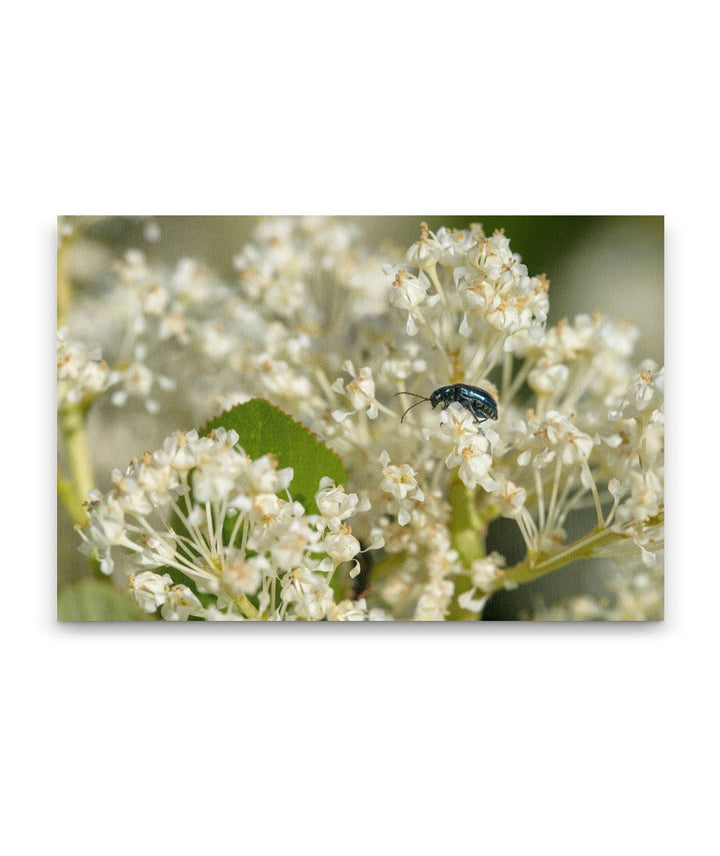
(353, 740)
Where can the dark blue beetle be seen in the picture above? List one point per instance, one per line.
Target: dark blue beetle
(478, 401)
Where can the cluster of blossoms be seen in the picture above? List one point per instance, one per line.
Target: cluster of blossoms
(331, 333)
(166, 326)
(83, 376)
(200, 510)
(80, 374)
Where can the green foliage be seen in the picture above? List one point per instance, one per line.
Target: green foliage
(95, 600)
(264, 428)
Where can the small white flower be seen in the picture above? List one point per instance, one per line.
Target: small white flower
(577, 446)
(150, 590)
(79, 374)
(180, 604)
(191, 282)
(138, 381)
(502, 314)
(644, 501)
(155, 300)
(159, 550)
(216, 475)
(335, 504)
(511, 499)
(564, 342)
(360, 391)
(473, 458)
(342, 545)
(468, 601)
(399, 480)
(348, 610)
(174, 325)
(425, 252)
(264, 507)
(434, 600)
(454, 244)
(548, 378)
(215, 341)
(456, 422)
(647, 391)
(308, 593)
(243, 575)
(263, 475)
(408, 292)
(486, 572)
(554, 435)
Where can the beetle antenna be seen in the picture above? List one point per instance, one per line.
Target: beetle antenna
(405, 392)
(414, 405)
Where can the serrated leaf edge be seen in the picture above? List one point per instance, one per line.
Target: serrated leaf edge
(203, 430)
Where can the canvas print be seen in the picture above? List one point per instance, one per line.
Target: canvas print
(430, 418)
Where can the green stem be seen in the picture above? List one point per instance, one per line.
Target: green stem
(246, 607)
(585, 548)
(466, 527)
(70, 499)
(506, 372)
(63, 286)
(74, 491)
(64, 281)
(467, 531)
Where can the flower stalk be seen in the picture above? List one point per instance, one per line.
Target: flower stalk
(74, 491)
(592, 544)
(468, 537)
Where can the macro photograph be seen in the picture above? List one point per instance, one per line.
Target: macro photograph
(360, 418)
(364, 317)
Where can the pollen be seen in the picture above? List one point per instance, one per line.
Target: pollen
(543, 283)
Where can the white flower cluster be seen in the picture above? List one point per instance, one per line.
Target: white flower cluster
(468, 449)
(208, 536)
(313, 325)
(79, 374)
(473, 315)
(83, 376)
(303, 279)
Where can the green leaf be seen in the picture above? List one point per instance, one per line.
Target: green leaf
(264, 428)
(94, 600)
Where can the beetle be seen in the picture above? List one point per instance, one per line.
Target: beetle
(478, 401)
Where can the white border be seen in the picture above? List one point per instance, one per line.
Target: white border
(588, 739)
